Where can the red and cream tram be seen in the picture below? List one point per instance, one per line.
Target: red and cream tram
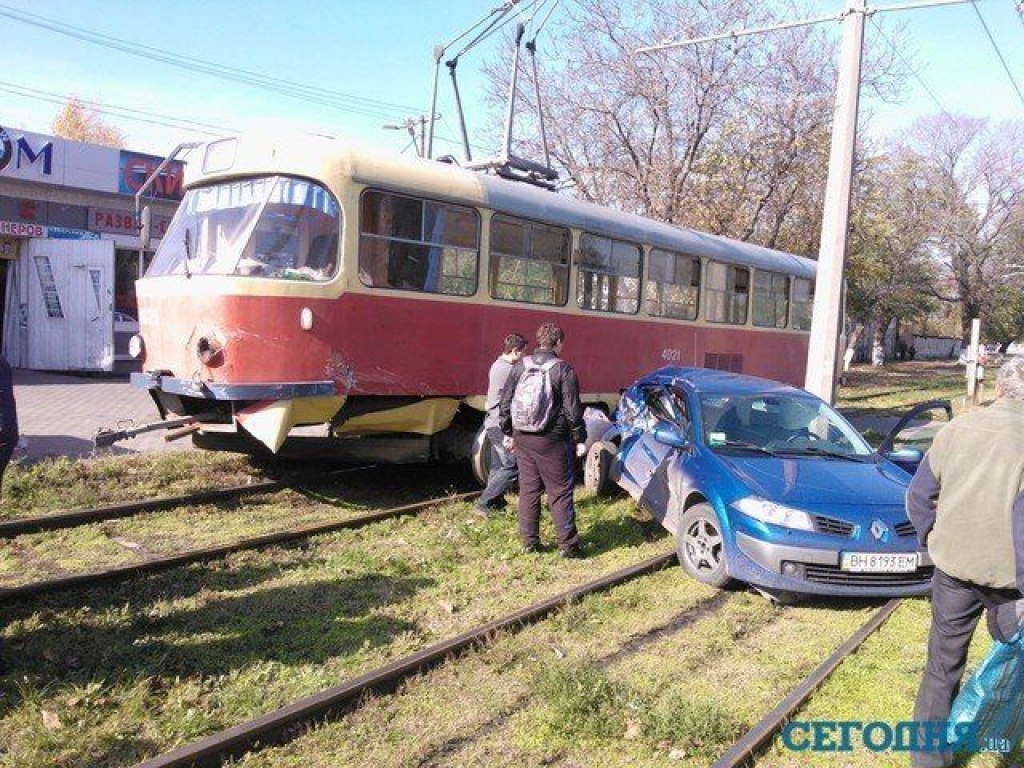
(309, 282)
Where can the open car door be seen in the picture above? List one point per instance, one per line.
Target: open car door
(907, 442)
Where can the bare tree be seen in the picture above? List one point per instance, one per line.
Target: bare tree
(79, 122)
(974, 175)
(730, 136)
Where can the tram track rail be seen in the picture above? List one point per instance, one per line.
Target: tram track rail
(279, 725)
(745, 749)
(285, 723)
(153, 565)
(75, 518)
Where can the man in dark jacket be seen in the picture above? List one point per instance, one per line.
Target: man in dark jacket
(8, 417)
(546, 455)
(966, 502)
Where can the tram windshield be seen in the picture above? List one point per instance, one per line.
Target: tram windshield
(273, 227)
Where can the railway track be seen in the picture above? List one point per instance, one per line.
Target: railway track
(741, 752)
(278, 725)
(283, 724)
(72, 519)
(153, 565)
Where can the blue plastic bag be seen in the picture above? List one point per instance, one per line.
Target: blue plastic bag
(988, 714)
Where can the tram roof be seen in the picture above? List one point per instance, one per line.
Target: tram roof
(324, 157)
(533, 202)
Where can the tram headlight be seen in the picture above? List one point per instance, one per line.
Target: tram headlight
(136, 346)
(306, 319)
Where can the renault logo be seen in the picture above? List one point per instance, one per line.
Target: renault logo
(879, 530)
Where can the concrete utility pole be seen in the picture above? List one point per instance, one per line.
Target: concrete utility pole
(973, 362)
(826, 324)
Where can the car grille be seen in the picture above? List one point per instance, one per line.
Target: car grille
(906, 528)
(831, 525)
(831, 574)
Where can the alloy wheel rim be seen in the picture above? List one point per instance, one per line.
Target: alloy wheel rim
(703, 545)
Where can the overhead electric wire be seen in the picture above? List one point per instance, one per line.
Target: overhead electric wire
(313, 94)
(895, 49)
(999, 53)
(503, 8)
(495, 26)
(551, 10)
(165, 121)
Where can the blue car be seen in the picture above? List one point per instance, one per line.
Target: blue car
(766, 484)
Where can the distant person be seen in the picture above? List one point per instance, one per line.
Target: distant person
(878, 351)
(966, 502)
(8, 417)
(504, 473)
(540, 409)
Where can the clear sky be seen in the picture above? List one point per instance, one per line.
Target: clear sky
(375, 57)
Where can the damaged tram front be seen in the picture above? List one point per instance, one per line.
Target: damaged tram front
(309, 283)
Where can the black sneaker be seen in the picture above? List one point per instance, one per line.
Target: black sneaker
(531, 549)
(572, 553)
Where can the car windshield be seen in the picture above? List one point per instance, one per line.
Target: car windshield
(270, 227)
(781, 424)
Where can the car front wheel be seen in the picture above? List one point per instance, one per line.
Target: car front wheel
(701, 547)
(596, 469)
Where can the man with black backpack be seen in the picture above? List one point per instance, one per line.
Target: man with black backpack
(540, 408)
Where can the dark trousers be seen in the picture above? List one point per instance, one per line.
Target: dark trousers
(546, 465)
(956, 609)
(502, 474)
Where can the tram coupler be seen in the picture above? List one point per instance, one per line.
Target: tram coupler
(186, 425)
(185, 431)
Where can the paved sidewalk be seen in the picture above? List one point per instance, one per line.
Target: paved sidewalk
(58, 415)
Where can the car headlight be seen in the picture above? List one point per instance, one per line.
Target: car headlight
(776, 514)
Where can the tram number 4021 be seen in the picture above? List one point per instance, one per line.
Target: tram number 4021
(671, 355)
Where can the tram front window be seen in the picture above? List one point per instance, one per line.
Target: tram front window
(279, 228)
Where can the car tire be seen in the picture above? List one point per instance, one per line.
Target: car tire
(482, 457)
(597, 469)
(701, 546)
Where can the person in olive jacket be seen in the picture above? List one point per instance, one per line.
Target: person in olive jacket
(966, 502)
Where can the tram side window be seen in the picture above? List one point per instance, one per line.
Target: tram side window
(728, 293)
(673, 287)
(529, 261)
(803, 304)
(418, 245)
(609, 275)
(771, 299)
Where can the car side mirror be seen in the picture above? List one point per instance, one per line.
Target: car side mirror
(905, 456)
(669, 434)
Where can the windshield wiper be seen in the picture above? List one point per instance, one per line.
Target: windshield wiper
(813, 449)
(188, 251)
(746, 446)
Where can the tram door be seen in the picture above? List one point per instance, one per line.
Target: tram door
(70, 305)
